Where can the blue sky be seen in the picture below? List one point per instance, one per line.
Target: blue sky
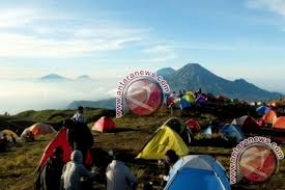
(103, 38)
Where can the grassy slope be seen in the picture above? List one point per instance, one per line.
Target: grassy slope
(17, 165)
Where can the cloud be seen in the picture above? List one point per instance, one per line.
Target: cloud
(18, 45)
(29, 33)
(275, 6)
(42, 95)
(162, 53)
(17, 17)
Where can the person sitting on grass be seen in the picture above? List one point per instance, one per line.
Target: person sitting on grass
(168, 162)
(73, 171)
(3, 142)
(29, 137)
(49, 175)
(119, 176)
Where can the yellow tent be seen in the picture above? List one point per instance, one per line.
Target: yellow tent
(10, 133)
(189, 96)
(162, 141)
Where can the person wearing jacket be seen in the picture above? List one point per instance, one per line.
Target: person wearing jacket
(79, 137)
(49, 175)
(119, 176)
(73, 171)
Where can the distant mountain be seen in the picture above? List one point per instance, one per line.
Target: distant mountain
(107, 104)
(165, 72)
(84, 77)
(53, 77)
(193, 76)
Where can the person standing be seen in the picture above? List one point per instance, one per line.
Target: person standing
(119, 176)
(78, 116)
(79, 137)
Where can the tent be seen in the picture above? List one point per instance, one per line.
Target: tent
(262, 109)
(208, 131)
(61, 141)
(193, 125)
(270, 117)
(10, 133)
(187, 99)
(232, 133)
(164, 139)
(178, 126)
(197, 172)
(39, 129)
(247, 123)
(279, 123)
(201, 99)
(104, 124)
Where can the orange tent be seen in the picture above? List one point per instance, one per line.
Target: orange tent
(61, 140)
(193, 125)
(279, 123)
(104, 124)
(270, 117)
(39, 129)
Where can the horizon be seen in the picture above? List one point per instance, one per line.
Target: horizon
(41, 94)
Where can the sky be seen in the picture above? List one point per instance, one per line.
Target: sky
(109, 39)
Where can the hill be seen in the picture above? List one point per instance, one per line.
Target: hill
(166, 73)
(83, 77)
(194, 76)
(53, 77)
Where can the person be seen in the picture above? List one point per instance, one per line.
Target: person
(170, 159)
(79, 136)
(73, 171)
(3, 142)
(49, 175)
(78, 116)
(29, 137)
(119, 176)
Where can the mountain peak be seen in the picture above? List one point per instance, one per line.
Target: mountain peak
(53, 76)
(193, 76)
(165, 72)
(192, 65)
(84, 77)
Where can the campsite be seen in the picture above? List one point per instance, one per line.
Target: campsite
(137, 137)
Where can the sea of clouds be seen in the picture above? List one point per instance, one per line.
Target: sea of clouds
(21, 95)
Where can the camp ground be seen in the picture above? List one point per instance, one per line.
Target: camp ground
(203, 136)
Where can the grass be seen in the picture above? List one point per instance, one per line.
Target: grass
(17, 165)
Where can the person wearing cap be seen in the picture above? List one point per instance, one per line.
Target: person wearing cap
(119, 176)
(78, 116)
(73, 171)
(49, 175)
